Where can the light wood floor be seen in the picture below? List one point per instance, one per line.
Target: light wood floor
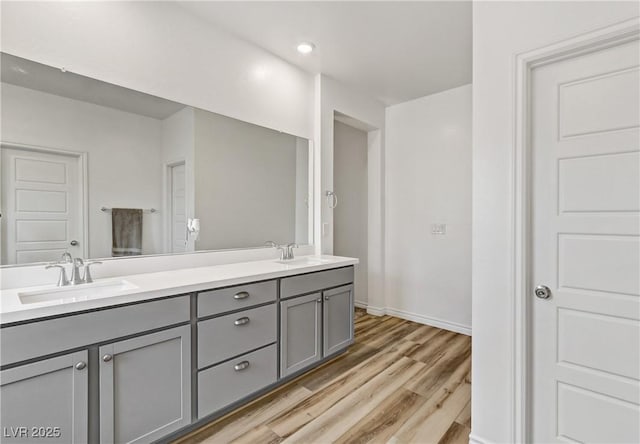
(401, 382)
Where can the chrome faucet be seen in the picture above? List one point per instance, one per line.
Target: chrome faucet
(86, 277)
(75, 271)
(76, 277)
(62, 279)
(286, 251)
(290, 248)
(282, 249)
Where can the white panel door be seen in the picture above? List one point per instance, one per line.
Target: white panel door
(42, 206)
(586, 248)
(178, 209)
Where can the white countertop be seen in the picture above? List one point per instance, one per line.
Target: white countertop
(149, 286)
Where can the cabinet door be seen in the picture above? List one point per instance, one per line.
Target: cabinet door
(300, 338)
(46, 401)
(145, 386)
(338, 319)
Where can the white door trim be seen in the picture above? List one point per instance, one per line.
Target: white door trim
(375, 211)
(83, 180)
(520, 243)
(167, 182)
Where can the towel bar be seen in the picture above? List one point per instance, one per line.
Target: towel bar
(150, 210)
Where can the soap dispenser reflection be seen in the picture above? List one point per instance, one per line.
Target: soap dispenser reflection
(193, 228)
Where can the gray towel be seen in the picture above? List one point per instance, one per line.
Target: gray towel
(126, 232)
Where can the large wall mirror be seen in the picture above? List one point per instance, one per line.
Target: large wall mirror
(98, 170)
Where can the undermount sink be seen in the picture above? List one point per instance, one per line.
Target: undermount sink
(80, 292)
(305, 261)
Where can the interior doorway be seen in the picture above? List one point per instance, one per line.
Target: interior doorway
(350, 197)
(585, 246)
(177, 204)
(576, 249)
(43, 204)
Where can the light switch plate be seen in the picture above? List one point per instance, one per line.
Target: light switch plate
(439, 229)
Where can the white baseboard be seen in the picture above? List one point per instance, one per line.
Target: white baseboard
(434, 322)
(376, 311)
(360, 304)
(473, 439)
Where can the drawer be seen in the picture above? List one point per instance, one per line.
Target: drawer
(226, 383)
(41, 338)
(308, 283)
(233, 298)
(235, 334)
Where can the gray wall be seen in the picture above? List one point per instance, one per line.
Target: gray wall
(350, 184)
(245, 183)
(303, 197)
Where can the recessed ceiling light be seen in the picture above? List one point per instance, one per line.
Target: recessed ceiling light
(306, 47)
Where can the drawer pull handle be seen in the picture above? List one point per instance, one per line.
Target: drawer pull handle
(107, 358)
(241, 295)
(241, 366)
(242, 321)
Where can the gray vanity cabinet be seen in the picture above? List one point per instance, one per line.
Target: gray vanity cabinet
(319, 322)
(46, 401)
(300, 332)
(337, 320)
(148, 381)
(145, 386)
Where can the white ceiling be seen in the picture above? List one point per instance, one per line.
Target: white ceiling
(28, 74)
(393, 50)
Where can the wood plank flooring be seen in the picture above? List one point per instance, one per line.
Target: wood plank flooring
(401, 382)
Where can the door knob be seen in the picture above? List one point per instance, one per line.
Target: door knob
(107, 358)
(81, 365)
(74, 243)
(542, 292)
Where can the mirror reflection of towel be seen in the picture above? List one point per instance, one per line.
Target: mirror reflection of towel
(126, 232)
